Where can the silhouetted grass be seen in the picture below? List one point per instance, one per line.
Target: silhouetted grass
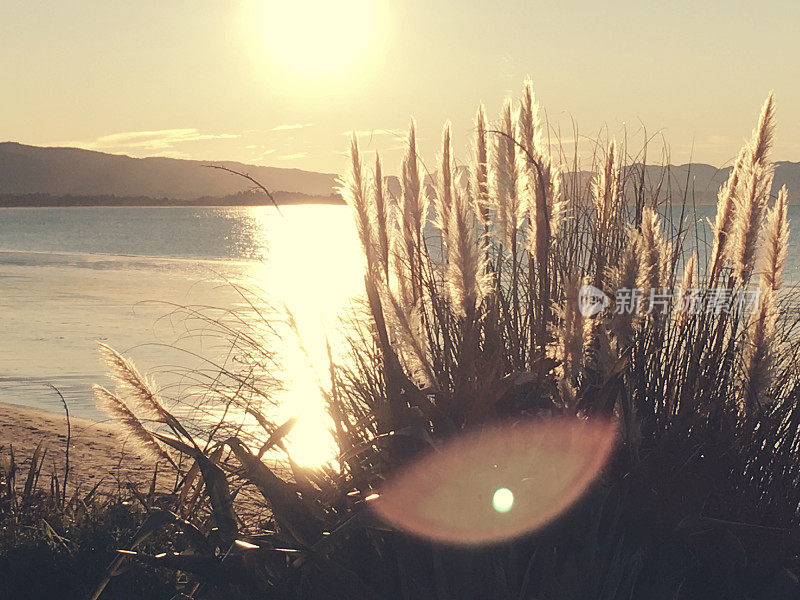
(471, 317)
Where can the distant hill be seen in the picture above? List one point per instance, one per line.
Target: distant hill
(36, 176)
(57, 172)
(704, 180)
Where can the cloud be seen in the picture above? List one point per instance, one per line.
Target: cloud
(264, 153)
(157, 140)
(290, 127)
(294, 156)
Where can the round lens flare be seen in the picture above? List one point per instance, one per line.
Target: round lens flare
(497, 483)
(503, 500)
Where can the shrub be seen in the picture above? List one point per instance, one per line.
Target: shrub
(474, 284)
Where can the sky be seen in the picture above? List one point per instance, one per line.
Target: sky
(284, 83)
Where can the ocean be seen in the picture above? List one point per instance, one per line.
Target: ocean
(70, 277)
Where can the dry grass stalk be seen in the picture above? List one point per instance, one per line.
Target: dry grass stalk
(760, 351)
(382, 217)
(132, 385)
(654, 254)
(465, 273)
(353, 190)
(413, 213)
(605, 196)
(479, 172)
(723, 224)
(443, 200)
(624, 277)
(503, 180)
(132, 428)
(752, 193)
(683, 307)
(775, 249)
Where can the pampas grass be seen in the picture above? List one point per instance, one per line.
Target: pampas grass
(624, 276)
(382, 210)
(132, 385)
(353, 190)
(605, 196)
(752, 192)
(776, 243)
(723, 223)
(760, 350)
(654, 256)
(132, 428)
(503, 180)
(689, 281)
(490, 330)
(465, 272)
(466, 267)
(443, 202)
(479, 172)
(413, 211)
(570, 342)
(751, 201)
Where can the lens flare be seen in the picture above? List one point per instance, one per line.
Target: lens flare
(503, 500)
(462, 493)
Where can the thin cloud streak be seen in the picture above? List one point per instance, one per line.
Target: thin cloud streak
(161, 139)
(294, 156)
(291, 127)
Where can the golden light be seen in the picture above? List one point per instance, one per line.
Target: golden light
(314, 269)
(318, 37)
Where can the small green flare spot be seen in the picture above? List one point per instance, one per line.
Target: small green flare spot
(502, 500)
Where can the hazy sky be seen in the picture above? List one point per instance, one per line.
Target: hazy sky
(280, 83)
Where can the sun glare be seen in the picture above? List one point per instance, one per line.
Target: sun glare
(318, 37)
(314, 269)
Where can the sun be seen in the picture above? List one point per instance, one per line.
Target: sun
(315, 38)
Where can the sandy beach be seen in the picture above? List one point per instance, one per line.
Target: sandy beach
(97, 453)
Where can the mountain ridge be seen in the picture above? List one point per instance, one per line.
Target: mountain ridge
(49, 175)
(65, 171)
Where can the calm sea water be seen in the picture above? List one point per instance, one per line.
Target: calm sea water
(69, 277)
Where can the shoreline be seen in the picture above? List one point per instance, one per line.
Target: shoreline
(97, 453)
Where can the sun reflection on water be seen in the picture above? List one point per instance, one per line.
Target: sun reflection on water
(314, 268)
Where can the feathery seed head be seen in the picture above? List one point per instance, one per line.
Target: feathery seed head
(353, 190)
(764, 133)
(723, 223)
(129, 424)
(133, 386)
(382, 216)
(465, 273)
(479, 173)
(751, 200)
(775, 248)
(503, 178)
(445, 184)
